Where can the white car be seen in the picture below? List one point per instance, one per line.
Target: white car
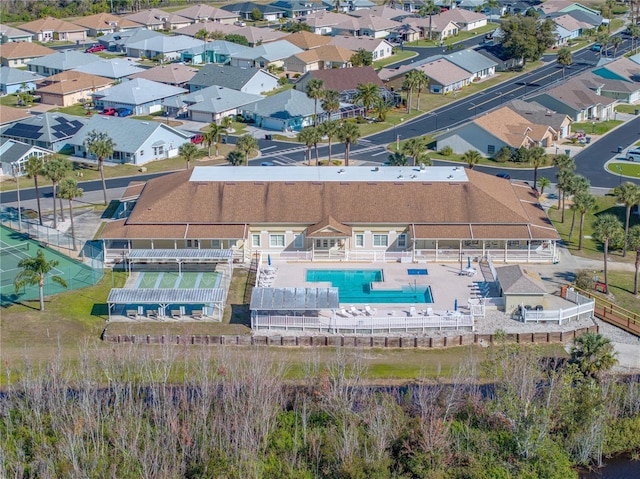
(633, 154)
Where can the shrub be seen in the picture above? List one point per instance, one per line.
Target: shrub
(584, 279)
(446, 151)
(505, 154)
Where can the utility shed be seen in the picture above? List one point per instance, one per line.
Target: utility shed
(520, 286)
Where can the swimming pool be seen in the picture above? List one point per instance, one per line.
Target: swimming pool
(355, 287)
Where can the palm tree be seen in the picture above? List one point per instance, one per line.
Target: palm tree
(235, 157)
(423, 159)
(226, 123)
(563, 163)
(616, 41)
(634, 31)
(315, 91)
(583, 202)
(247, 144)
(428, 8)
(56, 169)
(593, 354)
(422, 82)
(212, 136)
(397, 159)
(188, 151)
(565, 177)
(69, 191)
(100, 144)
(543, 183)
(413, 147)
(607, 229)
(381, 108)
(202, 34)
(331, 102)
(577, 184)
(34, 271)
(471, 158)
(367, 94)
(634, 245)
(538, 157)
(330, 129)
(33, 169)
(409, 84)
(564, 58)
(310, 136)
(629, 195)
(348, 134)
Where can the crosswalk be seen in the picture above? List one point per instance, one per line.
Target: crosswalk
(296, 154)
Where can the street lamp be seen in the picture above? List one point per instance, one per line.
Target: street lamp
(619, 168)
(15, 169)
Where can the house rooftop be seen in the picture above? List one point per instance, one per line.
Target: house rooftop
(24, 50)
(12, 76)
(307, 40)
(65, 60)
(341, 79)
(50, 24)
(115, 68)
(70, 82)
(101, 21)
(138, 92)
(173, 73)
(224, 75)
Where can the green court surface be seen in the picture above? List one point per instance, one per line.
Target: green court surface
(148, 280)
(170, 280)
(210, 280)
(14, 247)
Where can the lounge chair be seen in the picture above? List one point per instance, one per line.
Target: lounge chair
(412, 311)
(345, 314)
(132, 313)
(196, 314)
(152, 314)
(175, 314)
(370, 311)
(429, 311)
(355, 311)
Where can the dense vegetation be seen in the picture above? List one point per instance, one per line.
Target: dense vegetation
(118, 414)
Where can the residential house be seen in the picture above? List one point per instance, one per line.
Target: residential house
(307, 40)
(435, 27)
(50, 131)
(577, 101)
(488, 134)
(10, 34)
(620, 90)
(503, 62)
(141, 96)
(382, 11)
(255, 36)
(309, 213)
(322, 23)
(444, 75)
(466, 20)
(247, 80)
(475, 63)
(290, 110)
(563, 6)
(469, 5)
(623, 69)
(13, 80)
(9, 115)
(321, 58)
(136, 141)
(270, 54)
(59, 62)
(213, 103)
(165, 47)
(70, 87)
(301, 8)
(206, 13)
(569, 27)
(49, 28)
(366, 26)
(378, 47)
(155, 19)
(218, 51)
(176, 74)
(17, 54)
(15, 154)
(245, 11)
(540, 115)
(117, 42)
(355, 5)
(103, 23)
(114, 68)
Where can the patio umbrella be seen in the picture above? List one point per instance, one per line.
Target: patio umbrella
(269, 259)
(455, 305)
(468, 261)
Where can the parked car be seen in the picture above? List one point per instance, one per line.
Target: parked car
(504, 175)
(197, 139)
(633, 154)
(95, 48)
(123, 111)
(267, 163)
(596, 47)
(109, 111)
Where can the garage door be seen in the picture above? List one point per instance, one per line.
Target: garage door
(273, 124)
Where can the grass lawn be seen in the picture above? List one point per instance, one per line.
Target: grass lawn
(76, 109)
(626, 108)
(12, 100)
(451, 41)
(398, 56)
(630, 170)
(280, 89)
(621, 286)
(597, 128)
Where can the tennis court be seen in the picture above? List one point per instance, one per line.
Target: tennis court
(14, 247)
(173, 280)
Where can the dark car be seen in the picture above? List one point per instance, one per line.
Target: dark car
(109, 111)
(197, 139)
(267, 163)
(123, 111)
(95, 48)
(506, 176)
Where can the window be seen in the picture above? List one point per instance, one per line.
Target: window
(359, 241)
(215, 244)
(276, 241)
(255, 240)
(193, 243)
(380, 240)
(491, 149)
(298, 241)
(402, 241)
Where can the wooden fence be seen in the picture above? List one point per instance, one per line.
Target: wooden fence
(463, 339)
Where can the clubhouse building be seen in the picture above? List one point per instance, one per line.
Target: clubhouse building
(387, 213)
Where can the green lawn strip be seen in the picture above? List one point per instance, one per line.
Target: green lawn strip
(398, 56)
(596, 128)
(288, 86)
(625, 169)
(99, 232)
(626, 108)
(621, 286)
(451, 41)
(77, 110)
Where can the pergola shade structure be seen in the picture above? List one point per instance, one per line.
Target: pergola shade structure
(179, 256)
(159, 303)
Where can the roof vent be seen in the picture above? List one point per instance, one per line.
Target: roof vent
(341, 170)
(456, 168)
(145, 122)
(450, 177)
(376, 169)
(400, 177)
(413, 177)
(422, 167)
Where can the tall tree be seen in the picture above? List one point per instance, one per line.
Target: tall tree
(578, 184)
(634, 32)
(616, 41)
(564, 58)
(537, 156)
(212, 136)
(33, 169)
(593, 354)
(422, 82)
(226, 123)
(471, 158)
(69, 191)
(188, 151)
(397, 158)
(381, 108)
(310, 136)
(331, 102)
(56, 168)
(409, 84)
(543, 183)
(247, 144)
(607, 229)
(629, 195)
(428, 8)
(367, 94)
(633, 241)
(315, 91)
(330, 129)
(235, 157)
(565, 177)
(35, 271)
(349, 134)
(414, 147)
(101, 145)
(584, 202)
(361, 58)
(202, 34)
(563, 163)
(525, 38)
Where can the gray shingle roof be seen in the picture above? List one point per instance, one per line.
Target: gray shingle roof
(13, 150)
(138, 92)
(13, 76)
(288, 104)
(166, 43)
(65, 60)
(470, 60)
(128, 36)
(217, 99)
(113, 68)
(128, 133)
(270, 51)
(46, 128)
(516, 280)
(223, 75)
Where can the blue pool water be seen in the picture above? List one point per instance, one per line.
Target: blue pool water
(355, 287)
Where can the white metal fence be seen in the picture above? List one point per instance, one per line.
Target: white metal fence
(583, 309)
